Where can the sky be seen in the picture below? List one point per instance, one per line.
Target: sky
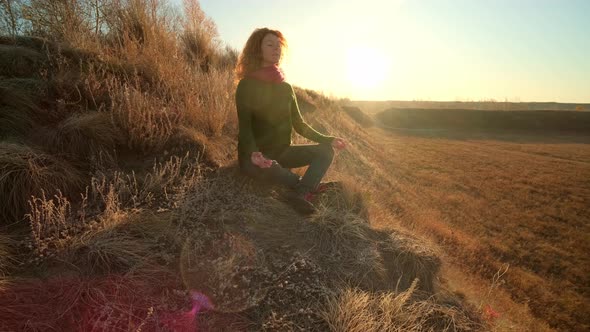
(467, 50)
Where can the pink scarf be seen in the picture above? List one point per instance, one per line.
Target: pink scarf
(270, 74)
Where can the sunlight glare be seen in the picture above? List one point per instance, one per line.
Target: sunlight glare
(367, 66)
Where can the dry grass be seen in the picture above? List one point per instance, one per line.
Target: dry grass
(164, 185)
(151, 301)
(19, 61)
(6, 255)
(25, 172)
(124, 243)
(51, 223)
(16, 112)
(406, 259)
(93, 233)
(224, 267)
(85, 137)
(217, 103)
(22, 93)
(492, 199)
(359, 116)
(343, 242)
(135, 70)
(355, 310)
(142, 116)
(341, 233)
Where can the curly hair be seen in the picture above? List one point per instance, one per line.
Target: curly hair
(251, 57)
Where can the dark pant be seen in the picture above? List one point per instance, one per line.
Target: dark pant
(318, 156)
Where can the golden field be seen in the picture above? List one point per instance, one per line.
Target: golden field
(496, 201)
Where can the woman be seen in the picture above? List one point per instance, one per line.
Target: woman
(267, 112)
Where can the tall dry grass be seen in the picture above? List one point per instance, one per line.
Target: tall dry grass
(164, 86)
(87, 137)
(126, 243)
(87, 233)
(355, 310)
(26, 172)
(163, 186)
(6, 258)
(16, 113)
(121, 58)
(143, 117)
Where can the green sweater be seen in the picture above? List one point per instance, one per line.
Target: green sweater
(266, 113)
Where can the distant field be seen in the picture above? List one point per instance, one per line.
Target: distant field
(378, 106)
(466, 119)
(492, 199)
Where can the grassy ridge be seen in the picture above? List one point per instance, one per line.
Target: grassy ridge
(564, 121)
(373, 107)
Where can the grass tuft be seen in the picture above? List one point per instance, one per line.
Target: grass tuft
(26, 172)
(84, 137)
(355, 310)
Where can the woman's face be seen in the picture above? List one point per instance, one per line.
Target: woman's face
(271, 50)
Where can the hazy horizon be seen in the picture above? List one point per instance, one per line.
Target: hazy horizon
(437, 50)
(470, 101)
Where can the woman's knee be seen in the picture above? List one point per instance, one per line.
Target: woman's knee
(274, 174)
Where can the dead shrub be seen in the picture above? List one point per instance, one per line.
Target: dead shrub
(61, 20)
(228, 58)
(199, 38)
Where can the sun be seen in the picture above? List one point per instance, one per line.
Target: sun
(367, 66)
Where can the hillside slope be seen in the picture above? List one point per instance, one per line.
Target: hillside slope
(125, 211)
(507, 206)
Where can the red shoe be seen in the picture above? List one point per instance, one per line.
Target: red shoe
(309, 196)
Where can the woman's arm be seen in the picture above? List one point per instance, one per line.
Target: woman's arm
(302, 127)
(245, 135)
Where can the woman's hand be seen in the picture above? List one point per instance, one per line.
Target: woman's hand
(339, 143)
(259, 160)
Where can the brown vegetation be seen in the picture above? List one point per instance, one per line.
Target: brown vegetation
(118, 141)
(492, 200)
